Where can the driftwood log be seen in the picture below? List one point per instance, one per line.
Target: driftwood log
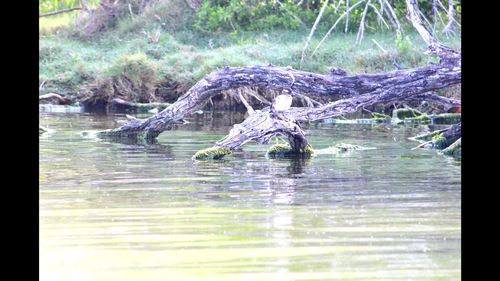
(449, 140)
(53, 98)
(351, 92)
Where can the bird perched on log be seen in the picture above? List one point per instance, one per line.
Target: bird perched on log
(281, 103)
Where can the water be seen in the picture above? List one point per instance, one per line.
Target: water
(111, 211)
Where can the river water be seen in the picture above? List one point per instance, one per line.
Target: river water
(113, 211)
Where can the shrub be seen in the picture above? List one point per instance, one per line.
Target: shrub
(136, 67)
(403, 44)
(133, 77)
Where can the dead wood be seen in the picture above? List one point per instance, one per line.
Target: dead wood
(350, 92)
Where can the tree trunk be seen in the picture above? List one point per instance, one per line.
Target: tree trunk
(352, 93)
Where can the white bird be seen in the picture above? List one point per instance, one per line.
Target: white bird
(282, 102)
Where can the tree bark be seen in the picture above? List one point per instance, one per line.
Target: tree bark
(447, 103)
(440, 139)
(351, 92)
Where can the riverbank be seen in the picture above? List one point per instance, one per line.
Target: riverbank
(150, 63)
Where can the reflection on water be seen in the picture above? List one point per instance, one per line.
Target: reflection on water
(111, 211)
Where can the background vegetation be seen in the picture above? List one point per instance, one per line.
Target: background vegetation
(154, 50)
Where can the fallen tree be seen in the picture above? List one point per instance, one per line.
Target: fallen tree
(350, 92)
(449, 140)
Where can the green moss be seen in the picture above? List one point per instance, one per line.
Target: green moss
(439, 141)
(214, 153)
(279, 148)
(426, 136)
(285, 150)
(141, 137)
(379, 117)
(308, 150)
(424, 118)
(404, 113)
(376, 115)
(447, 118)
(145, 107)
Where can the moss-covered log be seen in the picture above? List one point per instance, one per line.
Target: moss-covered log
(120, 105)
(445, 140)
(212, 153)
(283, 150)
(261, 126)
(455, 149)
(448, 137)
(52, 98)
(404, 113)
(446, 118)
(410, 115)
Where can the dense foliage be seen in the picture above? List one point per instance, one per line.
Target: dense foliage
(166, 46)
(249, 15)
(45, 6)
(232, 15)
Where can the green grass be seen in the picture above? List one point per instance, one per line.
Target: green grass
(71, 66)
(57, 24)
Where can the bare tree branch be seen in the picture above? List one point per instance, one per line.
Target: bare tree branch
(361, 29)
(347, 16)
(392, 16)
(244, 101)
(59, 12)
(446, 10)
(451, 10)
(312, 31)
(334, 25)
(380, 17)
(434, 46)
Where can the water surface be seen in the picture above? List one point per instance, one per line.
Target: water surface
(111, 211)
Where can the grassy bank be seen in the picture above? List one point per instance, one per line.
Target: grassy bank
(132, 62)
